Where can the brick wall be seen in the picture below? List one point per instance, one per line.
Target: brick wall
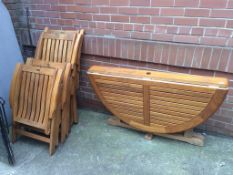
(192, 37)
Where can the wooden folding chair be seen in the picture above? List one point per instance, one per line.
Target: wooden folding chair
(63, 47)
(36, 103)
(66, 81)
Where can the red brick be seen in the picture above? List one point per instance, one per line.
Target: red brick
(158, 48)
(172, 55)
(101, 17)
(138, 27)
(162, 3)
(148, 11)
(213, 41)
(172, 12)
(140, 2)
(184, 30)
(206, 58)
(225, 33)
(187, 3)
(141, 35)
(128, 27)
(172, 30)
(213, 4)
(115, 18)
(100, 2)
(161, 20)
(197, 12)
(180, 57)
(186, 21)
(139, 19)
(222, 13)
(211, 32)
(197, 31)
(197, 57)
(189, 52)
(212, 22)
(224, 60)
(108, 10)
(186, 39)
(119, 2)
(128, 11)
(162, 37)
(68, 15)
(149, 28)
(230, 24)
(165, 54)
(214, 60)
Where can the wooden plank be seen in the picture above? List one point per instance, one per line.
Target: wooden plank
(118, 83)
(114, 95)
(30, 96)
(123, 92)
(60, 51)
(180, 101)
(39, 98)
(44, 51)
(125, 100)
(56, 51)
(158, 114)
(123, 103)
(69, 51)
(127, 111)
(60, 35)
(64, 53)
(122, 88)
(52, 51)
(178, 96)
(48, 98)
(48, 50)
(173, 113)
(186, 91)
(43, 99)
(126, 107)
(38, 70)
(179, 111)
(146, 105)
(28, 79)
(138, 118)
(176, 105)
(34, 136)
(22, 95)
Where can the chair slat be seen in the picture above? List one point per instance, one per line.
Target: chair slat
(60, 51)
(39, 97)
(64, 54)
(22, 91)
(26, 94)
(30, 96)
(34, 98)
(48, 50)
(43, 100)
(52, 52)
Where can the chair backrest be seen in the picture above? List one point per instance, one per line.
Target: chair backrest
(36, 95)
(66, 78)
(60, 46)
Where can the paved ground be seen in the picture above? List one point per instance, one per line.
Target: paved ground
(94, 148)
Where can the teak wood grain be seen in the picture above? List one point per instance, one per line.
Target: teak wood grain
(63, 47)
(158, 102)
(66, 86)
(36, 103)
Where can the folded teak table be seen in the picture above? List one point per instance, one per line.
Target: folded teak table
(159, 103)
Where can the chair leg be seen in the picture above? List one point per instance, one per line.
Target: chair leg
(74, 109)
(64, 124)
(54, 132)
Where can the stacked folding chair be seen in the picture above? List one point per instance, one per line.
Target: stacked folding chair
(43, 91)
